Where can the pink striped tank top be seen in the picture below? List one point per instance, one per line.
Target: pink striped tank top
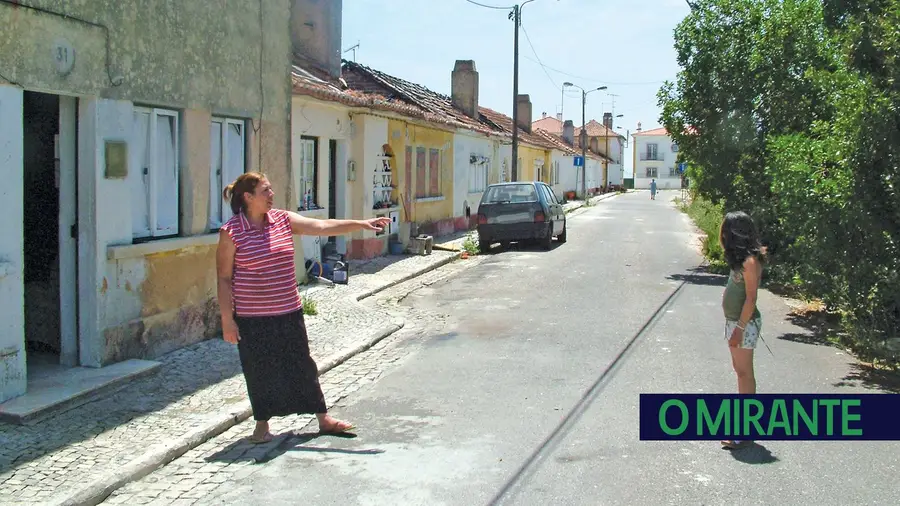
(264, 278)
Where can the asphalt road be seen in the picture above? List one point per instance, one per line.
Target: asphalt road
(531, 397)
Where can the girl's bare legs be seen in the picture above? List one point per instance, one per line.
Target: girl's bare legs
(742, 361)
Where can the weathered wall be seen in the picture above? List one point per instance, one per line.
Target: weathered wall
(232, 60)
(12, 316)
(433, 209)
(324, 121)
(464, 147)
(368, 136)
(529, 156)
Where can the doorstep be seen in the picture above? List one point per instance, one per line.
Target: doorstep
(63, 389)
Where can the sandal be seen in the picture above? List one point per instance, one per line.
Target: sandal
(337, 427)
(267, 438)
(733, 444)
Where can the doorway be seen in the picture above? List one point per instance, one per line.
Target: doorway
(332, 184)
(50, 236)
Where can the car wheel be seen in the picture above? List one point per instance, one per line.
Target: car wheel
(547, 241)
(484, 245)
(562, 236)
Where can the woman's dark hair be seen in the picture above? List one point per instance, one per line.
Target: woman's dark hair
(739, 239)
(234, 192)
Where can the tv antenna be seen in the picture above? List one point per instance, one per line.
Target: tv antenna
(354, 48)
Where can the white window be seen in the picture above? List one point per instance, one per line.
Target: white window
(672, 172)
(504, 177)
(479, 168)
(307, 174)
(153, 177)
(554, 176)
(652, 172)
(226, 163)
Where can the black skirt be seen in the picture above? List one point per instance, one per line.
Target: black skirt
(282, 378)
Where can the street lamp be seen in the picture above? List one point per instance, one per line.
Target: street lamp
(584, 94)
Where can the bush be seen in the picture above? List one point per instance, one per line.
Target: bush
(708, 218)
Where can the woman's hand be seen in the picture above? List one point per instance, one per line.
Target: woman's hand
(230, 332)
(376, 223)
(737, 335)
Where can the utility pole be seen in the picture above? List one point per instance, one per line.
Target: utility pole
(517, 18)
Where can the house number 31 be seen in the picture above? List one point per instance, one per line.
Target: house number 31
(63, 56)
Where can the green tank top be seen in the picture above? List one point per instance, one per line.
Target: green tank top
(735, 296)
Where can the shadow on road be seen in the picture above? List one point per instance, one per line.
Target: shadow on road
(699, 276)
(869, 377)
(754, 453)
(244, 451)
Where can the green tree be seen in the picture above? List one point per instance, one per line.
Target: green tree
(790, 110)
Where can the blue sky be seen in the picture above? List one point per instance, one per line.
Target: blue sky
(626, 46)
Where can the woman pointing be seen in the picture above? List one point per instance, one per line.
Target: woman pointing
(261, 308)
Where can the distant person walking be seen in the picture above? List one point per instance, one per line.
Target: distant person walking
(261, 308)
(744, 254)
(653, 189)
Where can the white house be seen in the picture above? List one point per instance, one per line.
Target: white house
(321, 135)
(654, 158)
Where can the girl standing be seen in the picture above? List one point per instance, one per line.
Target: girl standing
(261, 308)
(743, 321)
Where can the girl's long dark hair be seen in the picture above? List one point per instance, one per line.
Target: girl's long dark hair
(740, 239)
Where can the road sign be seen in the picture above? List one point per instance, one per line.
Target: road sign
(682, 167)
(579, 161)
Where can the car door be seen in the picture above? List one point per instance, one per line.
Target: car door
(555, 209)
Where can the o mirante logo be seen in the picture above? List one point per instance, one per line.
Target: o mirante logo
(801, 417)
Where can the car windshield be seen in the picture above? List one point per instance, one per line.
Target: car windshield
(510, 193)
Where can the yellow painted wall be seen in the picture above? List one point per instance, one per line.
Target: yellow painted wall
(403, 134)
(528, 155)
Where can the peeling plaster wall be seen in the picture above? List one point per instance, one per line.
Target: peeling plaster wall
(567, 175)
(233, 60)
(368, 134)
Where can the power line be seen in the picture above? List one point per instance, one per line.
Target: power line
(539, 62)
(546, 67)
(491, 6)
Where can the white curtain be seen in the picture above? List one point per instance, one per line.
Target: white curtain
(139, 175)
(166, 177)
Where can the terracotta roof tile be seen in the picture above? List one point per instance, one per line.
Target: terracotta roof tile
(368, 80)
(655, 131)
(506, 123)
(597, 129)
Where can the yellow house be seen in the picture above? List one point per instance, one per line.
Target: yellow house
(429, 183)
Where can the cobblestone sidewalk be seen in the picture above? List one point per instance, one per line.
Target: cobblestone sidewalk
(205, 471)
(67, 456)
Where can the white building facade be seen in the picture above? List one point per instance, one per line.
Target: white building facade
(655, 156)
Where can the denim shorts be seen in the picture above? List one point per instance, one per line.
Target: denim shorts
(751, 332)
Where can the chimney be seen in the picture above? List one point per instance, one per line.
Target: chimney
(523, 112)
(639, 127)
(559, 117)
(316, 33)
(569, 132)
(608, 120)
(464, 87)
(543, 115)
